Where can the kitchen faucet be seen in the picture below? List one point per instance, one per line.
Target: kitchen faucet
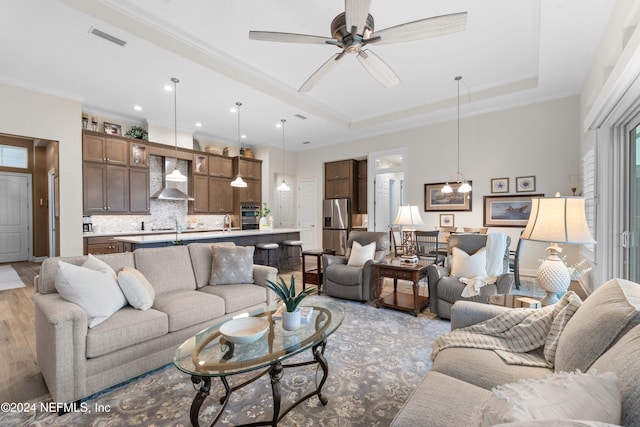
(226, 221)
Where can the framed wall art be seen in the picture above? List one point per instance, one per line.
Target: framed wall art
(436, 200)
(507, 211)
(112, 129)
(525, 184)
(447, 220)
(499, 185)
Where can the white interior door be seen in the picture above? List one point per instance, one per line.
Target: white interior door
(285, 207)
(15, 196)
(308, 213)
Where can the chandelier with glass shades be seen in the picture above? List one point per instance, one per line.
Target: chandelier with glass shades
(465, 187)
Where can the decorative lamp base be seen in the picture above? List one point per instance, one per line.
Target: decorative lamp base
(554, 278)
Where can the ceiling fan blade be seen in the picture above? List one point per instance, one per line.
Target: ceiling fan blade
(378, 68)
(356, 13)
(321, 72)
(423, 28)
(272, 36)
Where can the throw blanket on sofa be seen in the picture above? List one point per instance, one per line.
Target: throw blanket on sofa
(519, 336)
(496, 247)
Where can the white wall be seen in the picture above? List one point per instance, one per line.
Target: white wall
(36, 115)
(540, 140)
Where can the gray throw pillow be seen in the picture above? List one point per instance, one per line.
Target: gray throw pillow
(597, 324)
(231, 264)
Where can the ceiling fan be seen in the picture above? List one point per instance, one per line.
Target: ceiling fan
(353, 29)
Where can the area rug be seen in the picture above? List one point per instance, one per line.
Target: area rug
(9, 279)
(376, 359)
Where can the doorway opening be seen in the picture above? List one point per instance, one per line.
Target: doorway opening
(387, 169)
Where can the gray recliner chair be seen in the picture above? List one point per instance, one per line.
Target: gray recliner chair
(445, 290)
(355, 283)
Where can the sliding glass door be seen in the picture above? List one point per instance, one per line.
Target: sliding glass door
(629, 240)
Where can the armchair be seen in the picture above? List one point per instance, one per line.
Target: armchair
(445, 290)
(350, 282)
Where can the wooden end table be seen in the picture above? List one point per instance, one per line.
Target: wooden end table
(395, 269)
(314, 276)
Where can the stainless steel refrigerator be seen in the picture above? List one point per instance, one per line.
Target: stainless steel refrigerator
(336, 215)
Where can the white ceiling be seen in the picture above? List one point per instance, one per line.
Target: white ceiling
(512, 53)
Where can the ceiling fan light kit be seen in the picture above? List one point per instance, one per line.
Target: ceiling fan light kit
(354, 28)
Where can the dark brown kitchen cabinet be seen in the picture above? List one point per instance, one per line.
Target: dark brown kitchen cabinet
(220, 195)
(200, 194)
(252, 193)
(249, 168)
(105, 188)
(361, 205)
(139, 191)
(102, 149)
(340, 179)
(101, 245)
(138, 155)
(200, 164)
(221, 166)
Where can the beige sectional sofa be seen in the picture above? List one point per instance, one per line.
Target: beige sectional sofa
(77, 361)
(602, 336)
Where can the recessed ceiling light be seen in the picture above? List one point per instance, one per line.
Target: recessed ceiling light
(278, 125)
(243, 136)
(198, 125)
(168, 88)
(137, 108)
(233, 110)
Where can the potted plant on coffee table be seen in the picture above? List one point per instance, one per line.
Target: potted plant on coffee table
(291, 301)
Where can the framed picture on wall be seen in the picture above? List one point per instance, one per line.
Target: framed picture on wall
(436, 200)
(507, 211)
(499, 185)
(447, 220)
(525, 184)
(112, 129)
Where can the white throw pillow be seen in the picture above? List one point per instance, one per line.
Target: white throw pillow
(96, 292)
(96, 264)
(562, 395)
(136, 288)
(361, 254)
(469, 266)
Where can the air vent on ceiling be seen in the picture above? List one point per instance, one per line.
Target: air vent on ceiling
(300, 116)
(106, 36)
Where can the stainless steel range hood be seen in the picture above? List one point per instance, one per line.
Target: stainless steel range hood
(170, 191)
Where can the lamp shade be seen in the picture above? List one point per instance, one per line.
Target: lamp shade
(558, 220)
(176, 176)
(408, 215)
(238, 182)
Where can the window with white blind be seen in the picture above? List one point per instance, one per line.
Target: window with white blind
(13, 157)
(589, 193)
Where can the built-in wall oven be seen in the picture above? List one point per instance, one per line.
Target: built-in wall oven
(248, 218)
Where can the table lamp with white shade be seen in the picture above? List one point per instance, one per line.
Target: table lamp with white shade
(408, 217)
(557, 220)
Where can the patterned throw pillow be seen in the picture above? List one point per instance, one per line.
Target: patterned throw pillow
(231, 265)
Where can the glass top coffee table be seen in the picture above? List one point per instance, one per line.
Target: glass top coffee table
(209, 354)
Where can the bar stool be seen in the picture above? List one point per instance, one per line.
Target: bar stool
(296, 245)
(267, 249)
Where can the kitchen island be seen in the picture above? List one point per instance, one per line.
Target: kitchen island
(239, 237)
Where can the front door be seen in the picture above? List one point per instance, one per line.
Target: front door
(15, 196)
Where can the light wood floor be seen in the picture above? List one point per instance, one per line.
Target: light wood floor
(20, 378)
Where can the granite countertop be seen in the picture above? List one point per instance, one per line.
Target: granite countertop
(150, 232)
(169, 237)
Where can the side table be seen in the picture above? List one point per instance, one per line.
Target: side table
(314, 275)
(413, 303)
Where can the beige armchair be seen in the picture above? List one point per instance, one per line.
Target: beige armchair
(349, 282)
(445, 290)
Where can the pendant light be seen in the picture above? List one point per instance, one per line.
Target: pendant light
(239, 182)
(283, 186)
(465, 187)
(175, 176)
